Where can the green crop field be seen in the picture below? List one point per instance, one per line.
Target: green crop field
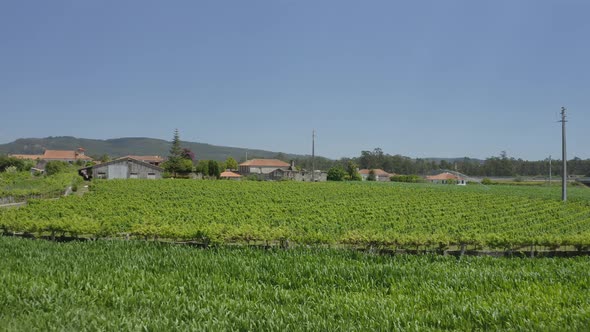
(23, 185)
(136, 285)
(334, 214)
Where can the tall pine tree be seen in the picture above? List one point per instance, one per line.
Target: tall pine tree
(176, 163)
(175, 150)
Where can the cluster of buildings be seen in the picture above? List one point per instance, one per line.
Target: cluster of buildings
(149, 167)
(59, 155)
(276, 170)
(128, 167)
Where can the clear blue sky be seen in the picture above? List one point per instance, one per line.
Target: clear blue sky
(417, 78)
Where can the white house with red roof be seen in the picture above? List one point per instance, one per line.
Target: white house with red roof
(261, 166)
(380, 175)
(447, 178)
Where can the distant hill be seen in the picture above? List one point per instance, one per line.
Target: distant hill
(118, 147)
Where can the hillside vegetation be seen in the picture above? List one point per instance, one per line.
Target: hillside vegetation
(118, 147)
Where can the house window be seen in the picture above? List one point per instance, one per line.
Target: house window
(101, 175)
(133, 176)
(151, 175)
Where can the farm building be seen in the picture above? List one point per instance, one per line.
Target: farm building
(447, 178)
(297, 175)
(380, 175)
(261, 166)
(273, 169)
(122, 168)
(230, 175)
(60, 155)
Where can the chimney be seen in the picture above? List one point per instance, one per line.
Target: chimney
(292, 164)
(80, 152)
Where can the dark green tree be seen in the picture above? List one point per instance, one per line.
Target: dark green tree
(203, 167)
(352, 171)
(176, 149)
(336, 173)
(371, 176)
(231, 163)
(178, 163)
(214, 170)
(20, 164)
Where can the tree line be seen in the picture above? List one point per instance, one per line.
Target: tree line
(182, 161)
(501, 165)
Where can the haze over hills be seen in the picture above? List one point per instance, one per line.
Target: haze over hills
(118, 147)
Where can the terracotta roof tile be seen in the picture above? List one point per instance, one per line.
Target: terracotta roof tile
(146, 158)
(265, 163)
(27, 156)
(53, 155)
(378, 172)
(63, 154)
(230, 174)
(443, 176)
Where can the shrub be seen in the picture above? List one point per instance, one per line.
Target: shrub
(486, 181)
(11, 169)
(55, 167)
(336, 174)
(406, 178)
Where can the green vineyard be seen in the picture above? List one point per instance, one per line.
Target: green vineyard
(333, 214)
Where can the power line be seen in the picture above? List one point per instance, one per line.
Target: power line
(549, 170)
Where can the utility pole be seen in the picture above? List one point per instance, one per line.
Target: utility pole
(563, 157)
(313, 156)
(549, 170)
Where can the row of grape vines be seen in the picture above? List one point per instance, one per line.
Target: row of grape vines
(354, 214)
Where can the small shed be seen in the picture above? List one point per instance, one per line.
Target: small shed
(230, 175)
(122, 168)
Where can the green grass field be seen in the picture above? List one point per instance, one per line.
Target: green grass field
(136, 285)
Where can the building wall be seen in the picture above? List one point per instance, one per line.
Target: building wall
(297, 176)
(257, 170)
(460, 182)
(381, 178)
(125, 170)
(118, 171)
